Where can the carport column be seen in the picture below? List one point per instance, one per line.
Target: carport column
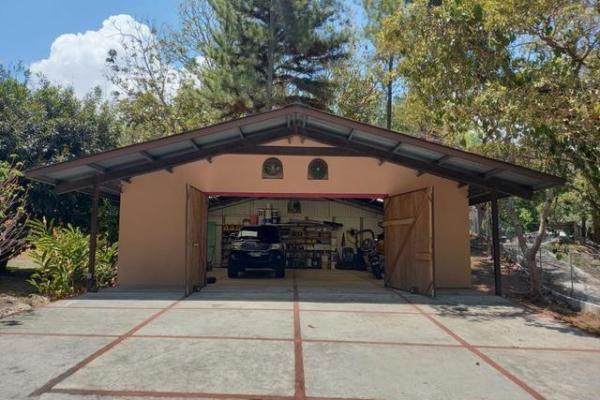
(91, 278)
(496, 245)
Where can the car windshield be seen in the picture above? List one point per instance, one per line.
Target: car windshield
(269, 234)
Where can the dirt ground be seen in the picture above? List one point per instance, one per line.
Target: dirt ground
(16, 294)
(516, 288)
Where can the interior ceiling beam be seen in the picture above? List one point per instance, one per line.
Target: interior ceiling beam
(297, 151)
(173, 161)
(419, 165)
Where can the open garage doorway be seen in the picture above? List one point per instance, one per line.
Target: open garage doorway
(246, 236)
(263, 236)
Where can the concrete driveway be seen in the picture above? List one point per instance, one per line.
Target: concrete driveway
(315, 335)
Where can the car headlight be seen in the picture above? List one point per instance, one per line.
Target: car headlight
(276, 246)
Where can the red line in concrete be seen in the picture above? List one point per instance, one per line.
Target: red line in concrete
(56, 334)
(336, 398)
(340, 341)
(105, 307)
(186, 395)
(529, 348)
(362, 311)
(232, 309)
(200, 337)
(368, 342)
(160, 394)
(54, 381)
(476, 351)
(300, 388)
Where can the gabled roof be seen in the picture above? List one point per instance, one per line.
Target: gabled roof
(247, 135)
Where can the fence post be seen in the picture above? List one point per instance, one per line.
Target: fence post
(496, 245)
(571, 266)
(541, 268)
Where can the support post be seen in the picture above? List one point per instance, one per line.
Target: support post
(91, 276)
(496, 245)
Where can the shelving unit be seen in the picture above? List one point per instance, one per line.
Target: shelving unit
(307, 245)
(228, 233)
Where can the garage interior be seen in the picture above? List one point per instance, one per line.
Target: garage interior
(315, 232)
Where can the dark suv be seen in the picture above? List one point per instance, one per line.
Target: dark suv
(257, 246)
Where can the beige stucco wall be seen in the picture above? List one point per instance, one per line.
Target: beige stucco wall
(152, 224)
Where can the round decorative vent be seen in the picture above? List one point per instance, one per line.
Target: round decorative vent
(317, 169)
(272, 169)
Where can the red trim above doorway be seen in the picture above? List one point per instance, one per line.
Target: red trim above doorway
(302, 195)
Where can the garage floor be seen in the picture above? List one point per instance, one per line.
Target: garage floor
(314, 335)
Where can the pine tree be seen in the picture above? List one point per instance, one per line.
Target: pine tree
(261, 54)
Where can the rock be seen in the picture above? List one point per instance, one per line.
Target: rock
(10, 305)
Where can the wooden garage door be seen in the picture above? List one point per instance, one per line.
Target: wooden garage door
(195, 237)
(408, 228)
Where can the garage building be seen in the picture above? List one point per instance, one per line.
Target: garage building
(178, 192)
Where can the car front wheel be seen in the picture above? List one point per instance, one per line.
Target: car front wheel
(232, 272)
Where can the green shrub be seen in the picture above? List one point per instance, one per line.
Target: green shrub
(62, 255)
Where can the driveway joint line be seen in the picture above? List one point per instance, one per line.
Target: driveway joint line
(299, 381)
(59, 334)
(488, 360)
(187, 395)
(104, 349)
(59, 307)
(201, 337)
(231, 309)
(304, 340)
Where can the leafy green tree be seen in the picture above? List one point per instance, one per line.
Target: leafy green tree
(49, 124)
(155, 96)
(254, 55)
(376, 11)
(357, 94)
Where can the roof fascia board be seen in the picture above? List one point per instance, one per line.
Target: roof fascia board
(173, 161)
(152, 144)
(403, 138)
(431, 168)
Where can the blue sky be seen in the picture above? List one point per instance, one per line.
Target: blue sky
(28, 27)
(67, 41)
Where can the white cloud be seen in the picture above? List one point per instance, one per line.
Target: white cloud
(79, 59)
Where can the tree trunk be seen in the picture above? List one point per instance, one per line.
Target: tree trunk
(271, 57)
(389, 92)
(595, 224)
(529, 253)
(3, 266)
(481, 219)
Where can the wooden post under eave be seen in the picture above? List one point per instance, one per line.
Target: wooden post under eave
(91, 276)
(496, 245)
